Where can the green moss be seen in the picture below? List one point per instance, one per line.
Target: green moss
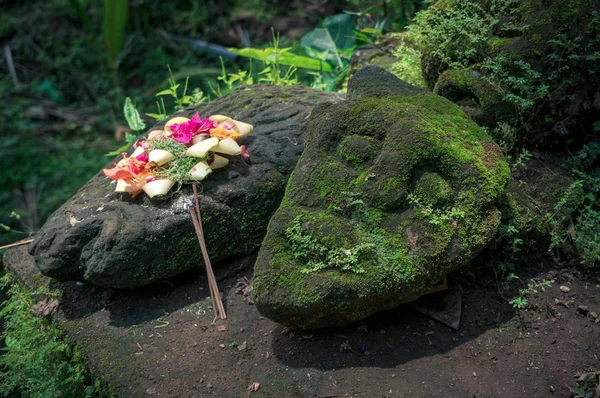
(358, 150)
(39, 360)
(458, 84)
(434, 190)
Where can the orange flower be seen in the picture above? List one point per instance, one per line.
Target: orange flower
(222, 133)
(133, 172)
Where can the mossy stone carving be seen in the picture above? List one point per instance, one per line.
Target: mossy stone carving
(396, 187)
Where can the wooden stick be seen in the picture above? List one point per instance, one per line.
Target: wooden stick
(214, 290)
(209, 270)
(19, 243)
(197, 229)
(211, 276)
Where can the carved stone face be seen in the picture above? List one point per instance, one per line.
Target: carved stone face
(405, 185)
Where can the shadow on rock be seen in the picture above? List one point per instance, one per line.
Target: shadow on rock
(130, 307)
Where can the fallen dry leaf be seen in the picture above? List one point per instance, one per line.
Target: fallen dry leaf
(244, 287)
(254, 386)
(45, 307)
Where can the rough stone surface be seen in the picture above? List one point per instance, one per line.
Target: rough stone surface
(396, 187)
(370, 54)
(112, 240)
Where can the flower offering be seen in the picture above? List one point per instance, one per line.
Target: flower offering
(186, 150)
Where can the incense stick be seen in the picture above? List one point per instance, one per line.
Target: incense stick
(210, 286)
(211, 276)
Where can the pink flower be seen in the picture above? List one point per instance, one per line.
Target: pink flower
(183, 137)
(245, 153)
(141, 143)
(143, 157)
(204, 126)
(193, 127)
(185, 132)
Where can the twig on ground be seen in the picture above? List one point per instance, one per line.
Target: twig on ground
(19, 243)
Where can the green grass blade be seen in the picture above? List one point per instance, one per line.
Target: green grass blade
(115, 20)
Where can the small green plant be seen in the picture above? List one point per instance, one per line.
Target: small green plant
(511, 244)
(135, 122)
(434, 216)
(231, 80)
(588, 385)
(523, 157)
(347, 203)
(518, 83)
(317, 256)
(345, 346)
(519, 303)
(505, 134)
(274, 58)
(179, 100)
(533, 287)
(173, 91)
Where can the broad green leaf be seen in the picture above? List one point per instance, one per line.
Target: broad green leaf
(115, 20)
(285, 58)
(132, 116)
(337, 34)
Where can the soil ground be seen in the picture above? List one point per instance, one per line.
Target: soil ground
(161, 341)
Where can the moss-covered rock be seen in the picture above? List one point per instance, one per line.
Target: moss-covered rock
(112, 240)
(539, 57)
(363, 233)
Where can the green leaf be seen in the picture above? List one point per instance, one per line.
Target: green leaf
(113, 28)
(337, 34)
(129, 138)
(118, 151)
(371, 31)
(165, 92)
(157, 116)
(285, 58)
(133, 117)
